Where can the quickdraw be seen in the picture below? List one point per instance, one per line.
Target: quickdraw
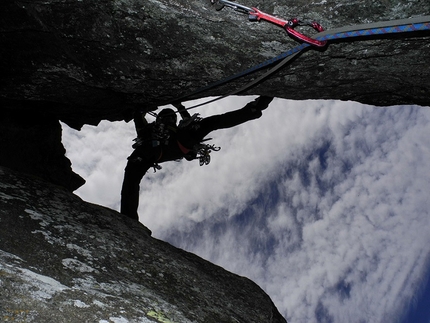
(203, 153)
(255, 14)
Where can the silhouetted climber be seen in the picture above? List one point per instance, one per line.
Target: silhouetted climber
(163, 140)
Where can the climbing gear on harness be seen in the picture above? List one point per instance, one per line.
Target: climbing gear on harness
(156, 167)
(200, 151)
(137, 142)
(159, 136)
(255, 14)
(203, 152)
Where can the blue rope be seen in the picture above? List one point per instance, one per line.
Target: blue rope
(378, 31)
(397, 26)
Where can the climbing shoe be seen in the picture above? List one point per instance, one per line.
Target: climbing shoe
(262, 102)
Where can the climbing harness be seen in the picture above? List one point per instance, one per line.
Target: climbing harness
(203, 152)
(255, 14)
(160, 136)
(200, 151)
(372, 29)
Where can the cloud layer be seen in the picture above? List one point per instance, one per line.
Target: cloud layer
(323, 203)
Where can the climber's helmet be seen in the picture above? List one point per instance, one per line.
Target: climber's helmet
(167, 116)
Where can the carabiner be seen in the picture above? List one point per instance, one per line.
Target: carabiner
(289, 25)
(255, 14)
(289, 28)
(235, 6)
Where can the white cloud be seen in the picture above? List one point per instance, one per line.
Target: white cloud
(323, 203)
(99, 155)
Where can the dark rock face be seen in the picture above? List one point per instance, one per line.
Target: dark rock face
(93, 60)
(86, 61)
(65, 260)
(31, 143)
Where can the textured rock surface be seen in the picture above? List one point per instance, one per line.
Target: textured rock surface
(89, 60)
(65, 260)
(86, 61)
(83, 61)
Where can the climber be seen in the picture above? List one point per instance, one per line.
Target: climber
(164, 140)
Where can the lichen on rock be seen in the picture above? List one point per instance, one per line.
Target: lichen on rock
(67, 260)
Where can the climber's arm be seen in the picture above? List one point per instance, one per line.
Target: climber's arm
(182, 110)
(140, 121)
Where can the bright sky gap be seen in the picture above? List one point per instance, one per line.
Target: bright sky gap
(324, 204)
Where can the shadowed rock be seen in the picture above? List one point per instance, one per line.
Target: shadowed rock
(65, 260)
(86, 61)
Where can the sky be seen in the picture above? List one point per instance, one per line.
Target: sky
(324, 204)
